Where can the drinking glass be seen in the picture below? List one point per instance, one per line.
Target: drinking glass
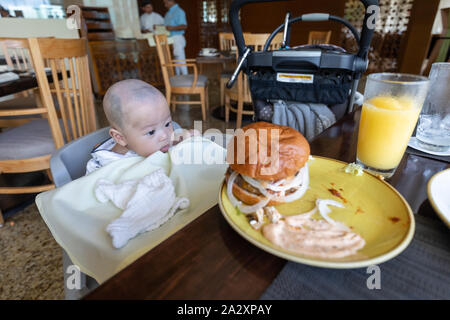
(433, 130)
(392, 104)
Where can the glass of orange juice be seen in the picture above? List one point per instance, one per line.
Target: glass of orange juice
(392, 104)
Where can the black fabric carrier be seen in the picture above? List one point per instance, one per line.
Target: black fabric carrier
(328, 87)
(322, 74)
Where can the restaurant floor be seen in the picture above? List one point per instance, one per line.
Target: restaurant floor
(30, 258)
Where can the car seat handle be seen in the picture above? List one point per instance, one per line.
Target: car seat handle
(233, 78)
(315, 17)
(371, 8)
(286, 31)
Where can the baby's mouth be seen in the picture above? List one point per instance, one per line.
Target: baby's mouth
(165, 148)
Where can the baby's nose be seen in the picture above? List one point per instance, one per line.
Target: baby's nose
(163, 136)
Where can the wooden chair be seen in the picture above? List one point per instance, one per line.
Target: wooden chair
(226, 43)
(319, 37)
(28, 147)
(191, 84)
(17, 55)
(241, 91)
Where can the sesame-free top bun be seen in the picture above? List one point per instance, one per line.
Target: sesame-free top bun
(293, 152)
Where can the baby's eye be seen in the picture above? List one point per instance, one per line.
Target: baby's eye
(168, 124)
(150, 133)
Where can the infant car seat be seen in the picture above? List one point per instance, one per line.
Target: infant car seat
(324, 74)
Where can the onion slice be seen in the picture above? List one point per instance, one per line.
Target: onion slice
(255, 183)
(300, 191)
(322, 205)
(236, 203)
(295, 182)
(276, 184)
(249, 209)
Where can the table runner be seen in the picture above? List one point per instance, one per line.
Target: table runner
(422, 271)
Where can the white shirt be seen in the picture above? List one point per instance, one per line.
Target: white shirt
(149, 20)
(102, 155)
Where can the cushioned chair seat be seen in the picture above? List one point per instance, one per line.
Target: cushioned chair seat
(33, 139)
(187, 80)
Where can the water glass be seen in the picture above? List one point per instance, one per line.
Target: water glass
(433, 130)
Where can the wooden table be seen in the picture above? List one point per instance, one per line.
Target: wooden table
(25, 82)
(15, 86)
(208, 260)
(223, 58)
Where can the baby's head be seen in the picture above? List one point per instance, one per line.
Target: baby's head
(139, 117)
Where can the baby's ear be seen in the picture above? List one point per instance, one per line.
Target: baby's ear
(118, 137)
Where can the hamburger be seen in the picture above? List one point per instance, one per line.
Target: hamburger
(267, 166)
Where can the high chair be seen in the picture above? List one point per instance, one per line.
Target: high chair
(67, 164)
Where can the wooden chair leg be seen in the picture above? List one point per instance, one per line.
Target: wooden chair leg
(207, 100)
(239, 114)
(202, 101)
(222, 91)
(2, 222)
(227, 108)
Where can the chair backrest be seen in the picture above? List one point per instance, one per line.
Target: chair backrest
(17, 53)
(319, 37)
(165, 57)
(258, 40)
(226, 41)
(69, 162)
(68, 61)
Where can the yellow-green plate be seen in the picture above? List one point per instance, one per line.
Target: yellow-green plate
(373, 209)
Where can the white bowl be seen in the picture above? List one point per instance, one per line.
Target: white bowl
(438, 195)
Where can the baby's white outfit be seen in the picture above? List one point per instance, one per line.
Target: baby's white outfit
(102, 155)
(147, 204)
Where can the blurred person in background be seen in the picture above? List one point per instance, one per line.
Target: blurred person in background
(3, 12)
(176, 23)
(150, 18)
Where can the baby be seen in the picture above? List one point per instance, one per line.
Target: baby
(140, 121)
